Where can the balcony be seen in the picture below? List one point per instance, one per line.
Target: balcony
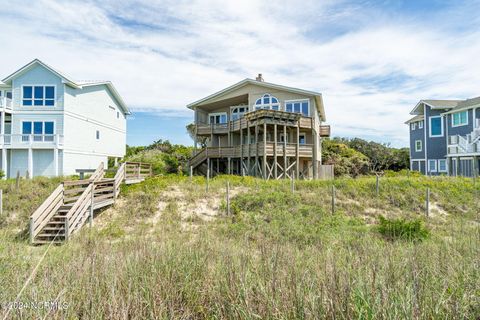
(5, 103)
(273, 116)
(39, 141)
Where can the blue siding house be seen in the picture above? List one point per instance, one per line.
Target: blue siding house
(51, 125)
(445, 137)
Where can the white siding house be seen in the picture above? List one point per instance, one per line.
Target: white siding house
(51, 125)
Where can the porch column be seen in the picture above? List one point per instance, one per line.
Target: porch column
(264, 164)
(55, 161)
(2, 143)
(248, 146)
(4, 162)
(275, 173)
(196, 129)
(256, 149)
(297, 160)
(284, 151)
(30, 162)
(315, 153)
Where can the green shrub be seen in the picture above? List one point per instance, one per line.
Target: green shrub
(394, 229)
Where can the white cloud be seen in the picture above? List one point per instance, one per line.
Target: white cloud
(163, 55)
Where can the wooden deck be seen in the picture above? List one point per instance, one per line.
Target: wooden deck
(72, 203)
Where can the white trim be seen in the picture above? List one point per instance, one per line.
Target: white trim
(421, 146)
(413, 126)
(33, 96)
(267, 106)
(217, 114)
(300, 101)
(429, 162)
(430, 126)
(446, 166)
(420, 124)
(462, 124)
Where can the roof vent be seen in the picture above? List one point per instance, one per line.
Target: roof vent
(259, 77)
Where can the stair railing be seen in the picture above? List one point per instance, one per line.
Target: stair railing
(76, 216)
(119, 177)
(45, 212)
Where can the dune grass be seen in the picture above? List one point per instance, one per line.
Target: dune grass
(279, 255)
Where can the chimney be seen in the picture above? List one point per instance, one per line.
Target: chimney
(259, 77)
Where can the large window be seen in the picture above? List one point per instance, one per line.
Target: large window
(301, 106)
(238, 112)
(217, 118)
(38, 96)
(41, 130)
(267, 101)
(460, 119)
(436, 126)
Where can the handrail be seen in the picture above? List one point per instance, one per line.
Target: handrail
(78, 210)
(119, 177)
(46, 210)
(99, 173)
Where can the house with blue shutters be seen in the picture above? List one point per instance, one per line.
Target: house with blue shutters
(51, 125)
(445, 137)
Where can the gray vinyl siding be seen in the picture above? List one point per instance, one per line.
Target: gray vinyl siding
(462, 130)
(436, 146)
(417, 134)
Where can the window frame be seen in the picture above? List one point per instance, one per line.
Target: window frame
(460, 124)
(420, 124)
(304, 138)
(39, 137)
(413, 126)
(298, 101)
(43, 99)
(439, 167)
(214, 114)
(416, 146)
(430, 169)
(430, 127)
(267, 106)
(240, 114)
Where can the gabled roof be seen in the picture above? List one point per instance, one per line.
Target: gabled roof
(28, 66)
(317, 96)
(68, 81)
(415, 119)
(435, 104)
(466, 104)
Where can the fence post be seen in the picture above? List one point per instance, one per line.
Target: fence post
(67, 231)
(191, 174)
(208, 176)
(17, 181)
(377, 185)
(30, 228)
(292, 182)
(427, 203)
(92, 197)
(228, 198)
(333, 199)
(1, 202)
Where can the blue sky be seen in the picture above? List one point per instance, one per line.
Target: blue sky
(371, 60)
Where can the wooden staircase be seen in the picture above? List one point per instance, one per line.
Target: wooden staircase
(72, 203)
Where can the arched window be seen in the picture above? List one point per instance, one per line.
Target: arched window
(267, 101)
(238, 112)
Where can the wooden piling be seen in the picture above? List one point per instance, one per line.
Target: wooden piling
(427, 203)
(333, 199)
(228, 198)
(17, 181)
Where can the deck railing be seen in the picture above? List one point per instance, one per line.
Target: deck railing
(31, 139)
(5, 103)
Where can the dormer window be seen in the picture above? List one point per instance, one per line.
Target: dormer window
(38, 96)
(267, 101)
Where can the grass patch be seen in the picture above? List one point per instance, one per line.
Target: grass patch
(394, 229)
